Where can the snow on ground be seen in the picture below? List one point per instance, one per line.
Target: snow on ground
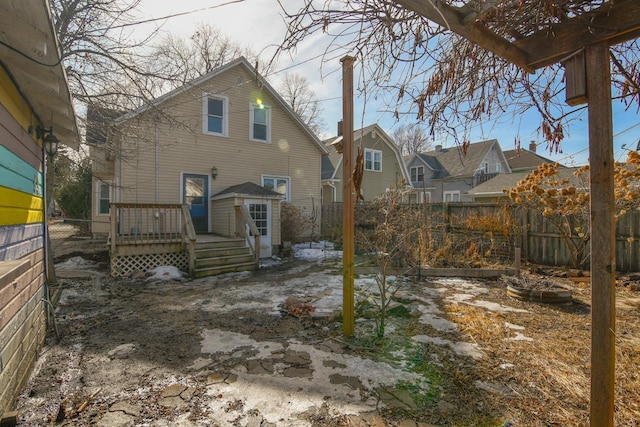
(164, 273)
(315, 251)
(76, 263)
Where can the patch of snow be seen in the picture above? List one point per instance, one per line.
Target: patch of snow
(460, 348)
(219, 341)
(315, 251)
(520, 337)
(507, 365)
(514, 327)
(495, 307)
(75, 263)
(165, 272)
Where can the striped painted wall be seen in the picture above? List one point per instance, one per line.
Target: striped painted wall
(22, 266)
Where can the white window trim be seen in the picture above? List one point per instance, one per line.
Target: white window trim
(252, 107)
(373, 152)
(205, 114)
(498, 167)
(451, 193)
(484, 167)
(98, 199)
(286, 197)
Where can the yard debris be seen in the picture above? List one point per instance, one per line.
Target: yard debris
(294, 307)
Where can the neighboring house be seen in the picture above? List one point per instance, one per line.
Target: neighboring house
(493, 189)
(525, 160)
(383, 164)
(447, 174)
(212, 144)
(34, 97)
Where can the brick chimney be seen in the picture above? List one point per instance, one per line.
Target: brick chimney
(339, 127)
(438, 147)
(532, 146)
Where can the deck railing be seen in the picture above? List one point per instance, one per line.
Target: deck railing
(247, 228)
(146, 228)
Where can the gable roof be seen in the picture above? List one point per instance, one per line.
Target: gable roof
(332, 161)
(523, 159)
(239, 62)
(494, 186)
(249, 189)
(451, 162)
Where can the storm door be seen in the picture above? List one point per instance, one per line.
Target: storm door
(195, 194)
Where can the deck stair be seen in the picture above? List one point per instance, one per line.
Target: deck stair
(223, 256)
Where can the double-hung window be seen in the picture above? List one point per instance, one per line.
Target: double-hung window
(103, 198)
(279, 184)
(260, 123)
(417, 174)
(372, 160)
(452, 196)
(215, 115)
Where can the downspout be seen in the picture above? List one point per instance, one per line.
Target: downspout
(157, 160)
(334, 191)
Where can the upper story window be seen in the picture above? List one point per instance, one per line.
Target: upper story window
(215, 115)
(484, 167)
(103, 198)
(260, 123)
(279, 184)
(498, 167)
(417, 174)
(372, 160)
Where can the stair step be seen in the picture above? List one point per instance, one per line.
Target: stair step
(224, 260)
(230, 243)
(221, 252)
(212, 271)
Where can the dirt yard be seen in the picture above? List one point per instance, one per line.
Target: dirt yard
(222, 351)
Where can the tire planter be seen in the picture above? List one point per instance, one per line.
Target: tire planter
(556, 295)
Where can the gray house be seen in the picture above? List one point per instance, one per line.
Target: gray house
(447, 174)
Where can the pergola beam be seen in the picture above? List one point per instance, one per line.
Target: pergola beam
(452, 19)
(611, 23)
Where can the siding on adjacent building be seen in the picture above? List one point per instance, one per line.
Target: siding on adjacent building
(22, 312)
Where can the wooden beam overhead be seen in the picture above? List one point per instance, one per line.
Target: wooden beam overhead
(451, 18)
(612, 23)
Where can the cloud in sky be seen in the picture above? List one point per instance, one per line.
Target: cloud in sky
(259, 25)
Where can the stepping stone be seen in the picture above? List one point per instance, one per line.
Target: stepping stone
(293, 372)
(176, 396)
(293, 357)
(125, 407)
(333, 364)
(352, 382)
(257, 366)
(397, 398)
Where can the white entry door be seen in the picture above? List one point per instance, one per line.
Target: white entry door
(260, 211)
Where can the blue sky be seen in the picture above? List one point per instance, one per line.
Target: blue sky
(257, 24)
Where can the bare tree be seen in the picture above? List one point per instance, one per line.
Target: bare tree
(411, 139)
(295, 90)
(426, 71)
(180, 60)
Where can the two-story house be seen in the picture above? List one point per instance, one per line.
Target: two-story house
(222, 140)
(383, 164)
(447, 174)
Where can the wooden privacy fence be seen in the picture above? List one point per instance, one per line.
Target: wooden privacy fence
(460, 224)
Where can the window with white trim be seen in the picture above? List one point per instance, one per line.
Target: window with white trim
(260, 123)
(103, 198)
(484, 167)
(451, 196)
(215, 115)
(279, 184)
(417, 174)
(372, 160)
(498, 167)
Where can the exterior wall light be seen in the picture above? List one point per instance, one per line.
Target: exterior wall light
(49, 140)
(214, 172)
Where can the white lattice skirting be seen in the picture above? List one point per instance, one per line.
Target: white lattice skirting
(127, 265)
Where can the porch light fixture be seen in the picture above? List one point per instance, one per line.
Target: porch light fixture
(49, 140)
(214, 172)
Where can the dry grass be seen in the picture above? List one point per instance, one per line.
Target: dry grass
(547, 379)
